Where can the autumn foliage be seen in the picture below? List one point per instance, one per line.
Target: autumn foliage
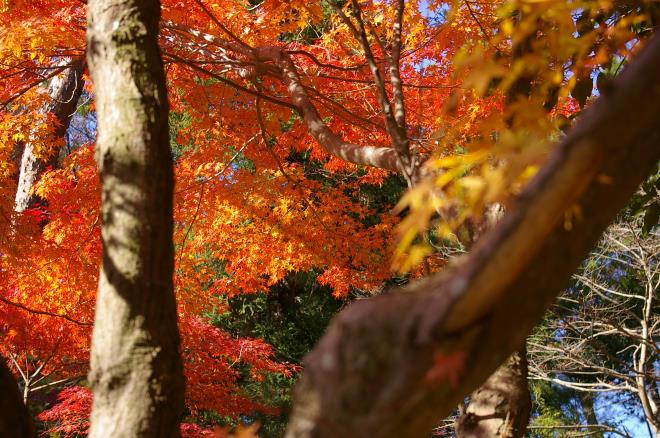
(257, 197)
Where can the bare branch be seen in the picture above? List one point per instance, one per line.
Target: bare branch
(382, 157)
(43, 312)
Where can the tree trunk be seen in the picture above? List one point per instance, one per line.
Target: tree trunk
(391, 365)
(501, 406)
(15, 420)
(136, 371)
(64, 91)
(589, 411)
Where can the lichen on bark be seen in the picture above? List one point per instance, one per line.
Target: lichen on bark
(136, 372)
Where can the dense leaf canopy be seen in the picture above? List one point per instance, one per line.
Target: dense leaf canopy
(295, 128)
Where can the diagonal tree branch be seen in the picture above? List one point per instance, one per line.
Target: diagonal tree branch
(396, 133)
(382, 157)
(43, 312)
(392, 365)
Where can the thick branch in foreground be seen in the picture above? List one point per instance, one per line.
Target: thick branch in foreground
(15, 420)
(136, 371)
(395, 364)
(501, 406)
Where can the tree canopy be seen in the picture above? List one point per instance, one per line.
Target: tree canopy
(347, 146)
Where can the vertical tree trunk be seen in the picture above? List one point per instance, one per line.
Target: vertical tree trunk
(501, 406)
(589, 411)
(136, 372)
(64, 91)
(15, 420)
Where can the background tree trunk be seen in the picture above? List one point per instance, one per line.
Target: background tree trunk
(15, 420)
(503, 403)
(64, 91)
(501, 406)
(588, 409)
(136, 372)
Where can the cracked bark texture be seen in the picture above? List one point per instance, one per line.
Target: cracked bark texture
(390, 366)
(64, 91)
(136, 372)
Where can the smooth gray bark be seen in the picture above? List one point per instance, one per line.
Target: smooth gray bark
(136, 371)
(64, 91)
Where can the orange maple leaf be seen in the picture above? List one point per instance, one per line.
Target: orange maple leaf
(446, 367)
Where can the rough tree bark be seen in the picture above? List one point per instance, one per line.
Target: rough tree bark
(587, 401)
(15, 420)
(501, 406)
(64, 91)
(392, 365)
(136, 372)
